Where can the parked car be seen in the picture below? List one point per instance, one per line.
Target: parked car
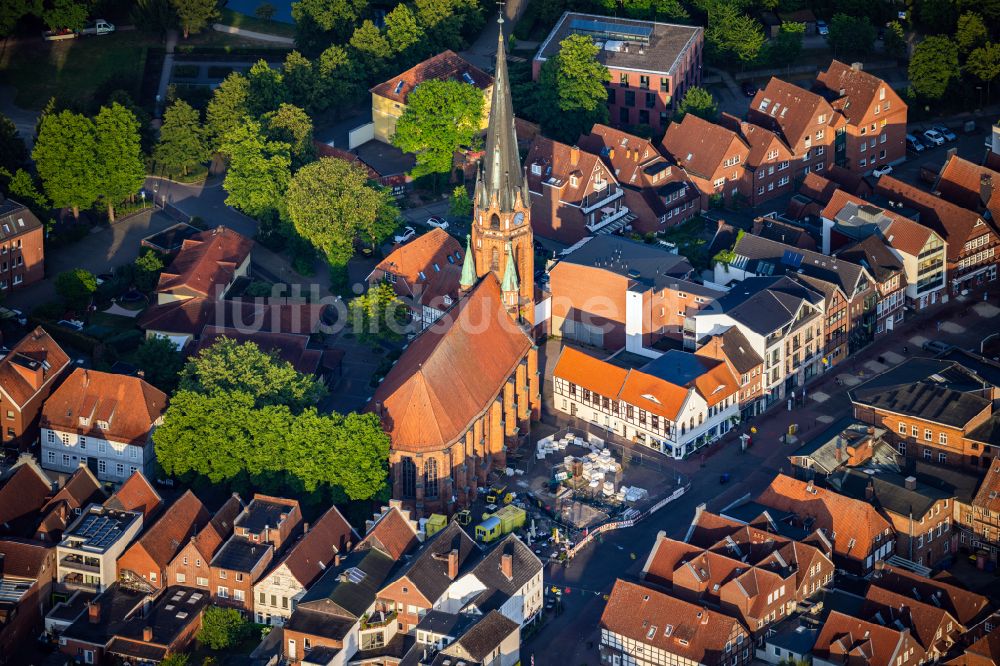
(933, 137)
(98, 27)
(13, 314)
(822, 28)
(913, 143)
(437, 222)
(408, 233)
(945, 132)
(937, 347)
(882, 171)
(71, 324)
(749, 89)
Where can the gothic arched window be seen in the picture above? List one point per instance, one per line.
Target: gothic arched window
(408, 474)
(431, 478)
(495, 222)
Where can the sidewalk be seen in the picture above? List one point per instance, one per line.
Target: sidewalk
(168, 67)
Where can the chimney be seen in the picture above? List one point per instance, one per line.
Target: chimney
(337, 560)
(305, 527)
(809, 486)
(507, 566)
(347, 546)
(839, 452)
(910, 483)
(453, 564)
(86, 377)
(282, 517)
(857, 66)
(871, 430)
(869, 491)
(985, 188)
(94, 612)
(574, 155)
(147, 634)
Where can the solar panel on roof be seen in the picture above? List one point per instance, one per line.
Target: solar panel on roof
(791, 258)
(587, 25)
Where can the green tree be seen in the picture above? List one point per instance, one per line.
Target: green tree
(293, 126)
(175, 659)
(76, 287)
(13, 152)
(65, 14)
(338, 79)
(299, 77)
(266, 89)
(733, 34)
(984, 64)
(989, 9)
(228, 109)
(935, 16)
(933, 66)
(65, 156)
(147, 270)
(851, 35)
(571, 92)
(440, 118)
(460, 203)
(153, 16)
(698, 101)
(378, 315)
(12, 11)
(654, 10)
(223, 628)
(23, 188)
(121, 169)
(160, 361)
(265, 11)
(182, 145)
(786, 47)
(403, 32)
(229, 366)
(331, 203)
(971, 32)
(321, 22)
(895, 39)
(259, 169)
(372, 49)
(195, 15)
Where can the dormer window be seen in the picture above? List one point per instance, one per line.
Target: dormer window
(102, 425)
(821, 120)
(536, 169)
(573, 181)
(422, 276)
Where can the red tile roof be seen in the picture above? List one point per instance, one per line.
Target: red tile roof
(442, 67)
(128, 406)
(854, 527)
(657, 619)
(818, 187)
(136, 494)
(192, 315)
(903, 233)
(558, 162)
(80, 489)
(627, 155)
(427, 269)
(393, 534)
(451, 373)
(855, 89)
(23, 493)
(699, 146)
(954, 223)
(984, 652)
(790, 111)
(219, 528)
(590, 372)
(988, 495)
(922, 619)
(968, 185)
(967, 607)
(20, 558)
(310, 555)
(205, 260)
(173, 529)
(35, 360)
(845, 639)
(289, 347)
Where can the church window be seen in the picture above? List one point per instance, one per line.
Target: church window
(495, 263)
(409, 477)
(431, 478)
(495, 222)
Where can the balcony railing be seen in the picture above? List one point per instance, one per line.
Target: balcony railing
(594, 201)
(378, 619)
(607, 219)
(77, 563)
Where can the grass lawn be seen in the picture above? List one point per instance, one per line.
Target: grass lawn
(116, 322)
(237, 20)
(72, 69)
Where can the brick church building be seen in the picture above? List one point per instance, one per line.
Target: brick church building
(467, 388)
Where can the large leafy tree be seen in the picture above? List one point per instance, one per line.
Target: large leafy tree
(259, 169)
(895, 39)
(571, 92)
(23, 188)
(230, 366)
(160, 362)
(293, 126)
(65, 14)
(228, 109)
(65, 155)
(195, 15)
(266, 89)
(853, 35)
(984, 64)
(11, 11)
(653, 10)
(153, 16)
(223, 628)
(733, 34)
(440, 118)
(121, 170)
(698, 101)
(338, 79)
(935, 16)
(331, 203)
(371, 48)
(971, 32)
(403, 33)
(181, 146)
(933, 66)
(320, 22)
(786, 47)
(299, 76)
(76, 287)
(990, 9)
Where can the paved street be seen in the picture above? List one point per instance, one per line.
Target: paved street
(572, 637)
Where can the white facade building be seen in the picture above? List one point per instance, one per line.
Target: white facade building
(87, 556)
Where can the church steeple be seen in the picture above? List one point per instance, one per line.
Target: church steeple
(468, 267)
(500, 178)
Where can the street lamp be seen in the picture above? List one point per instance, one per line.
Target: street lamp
(142, 193)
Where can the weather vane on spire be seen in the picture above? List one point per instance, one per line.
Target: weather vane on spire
(500, 5)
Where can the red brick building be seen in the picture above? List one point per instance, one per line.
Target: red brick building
(874, 131)
(732, 347)
(191, 565)
(28, 374)
(22, 255)
(845, 639)
(26, 573)
(713, 157)
(652, 65)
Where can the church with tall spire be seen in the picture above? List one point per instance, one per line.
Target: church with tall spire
(501, 241)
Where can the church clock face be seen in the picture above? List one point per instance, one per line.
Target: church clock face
(519, 219)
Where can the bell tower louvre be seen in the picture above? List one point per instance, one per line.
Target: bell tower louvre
(501, 241)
